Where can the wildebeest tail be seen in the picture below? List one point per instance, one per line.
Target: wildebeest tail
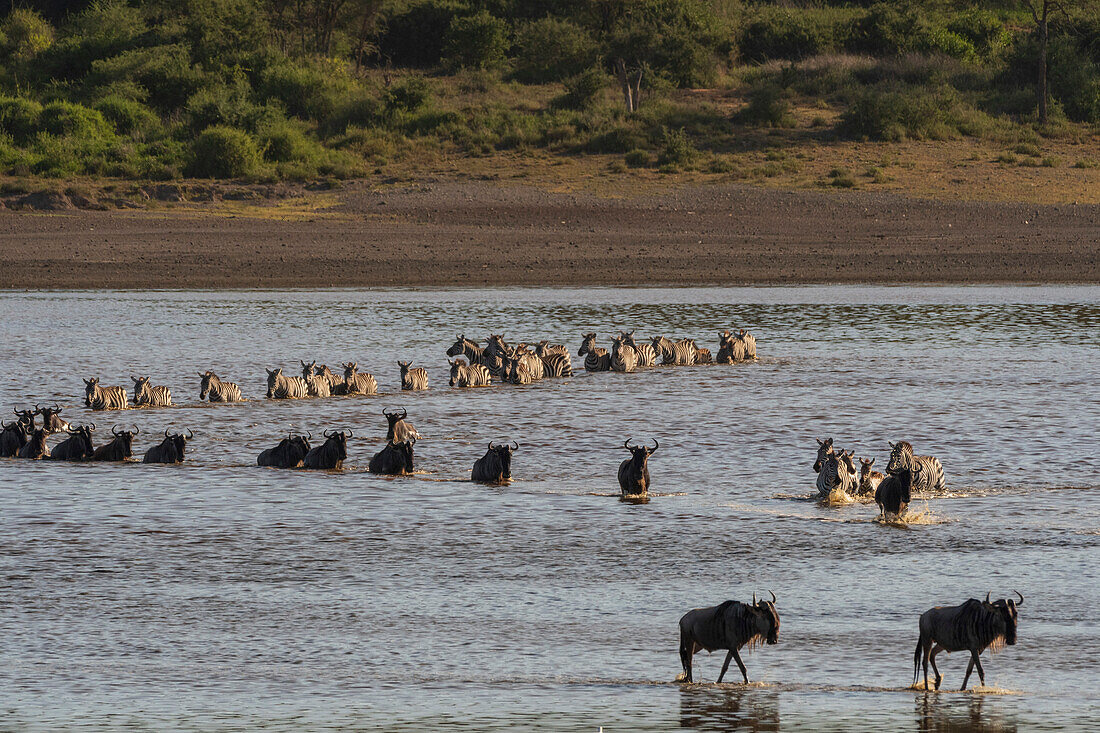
(916, 658)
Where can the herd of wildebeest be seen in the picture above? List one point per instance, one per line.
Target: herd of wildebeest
(973, 626)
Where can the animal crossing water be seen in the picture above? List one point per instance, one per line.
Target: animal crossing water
(218, 595)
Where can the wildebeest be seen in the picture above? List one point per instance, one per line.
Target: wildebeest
(147, 394)
(973, 626)
(399, 429)
(679, 353)
(596, 359)
(104, 398)
(77, 447)
(289, 453)
(634, 471)
(356, 383)
(731, 349)
(330, 454)
(927, 470)
(218, 390)
(647, 357)
(396, 459)
(316, 384)
(473, 375)
(731, 626)
(13, 436)
(833, 476)
(868, 479)
(496, 465)
(623, 357)
(52, 422)
(170, 450)
(413, 378)
(35, 447)
(120, 448)
(282, 387)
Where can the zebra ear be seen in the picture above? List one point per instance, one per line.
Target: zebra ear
(820, 441)
(892, 446)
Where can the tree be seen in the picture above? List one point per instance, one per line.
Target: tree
(1041, 11)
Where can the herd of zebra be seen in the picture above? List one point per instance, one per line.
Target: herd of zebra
(906, 474)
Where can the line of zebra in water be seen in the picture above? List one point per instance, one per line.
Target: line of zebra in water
(906, 474)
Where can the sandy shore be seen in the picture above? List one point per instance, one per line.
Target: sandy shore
(489, 234)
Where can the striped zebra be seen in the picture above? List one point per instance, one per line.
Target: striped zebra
(336, 384)
(927, 471)
(750, 344)
(531, 366)
(623, 358)
(146, 394)
(868, 479)
(414, 378)
(104, 398)
(469, 349)
(218, 390)
(702, 356)
(545, 348)
(834, 480)
(497, 353)
(647, 357)
(358, 383)
(282, 387)
(595, 358)
(731, 349)
(557, 365)
(317, 385)
(474, 375)
(678, 353)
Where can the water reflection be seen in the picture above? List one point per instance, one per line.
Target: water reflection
(721, 707)
(944, 713)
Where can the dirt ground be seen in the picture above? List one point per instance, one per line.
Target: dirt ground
(493, 233)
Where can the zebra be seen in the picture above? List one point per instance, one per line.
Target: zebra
(518, 370)
(145, 394)
(474, 375)
(281, 387)
(336, 384)
(497, 353)
(750, 344)
(597, 359)
(104, 398)
(415, 378)
(218, 390)
(544, 349)
(557, 365)
(317, 385)
(678, 353)
(469, 349)
(702, 356)
(647, 357)
(731, 349)
(623, 358)
(868, 479)
(358, 383)
(927, 471)
(835, 480)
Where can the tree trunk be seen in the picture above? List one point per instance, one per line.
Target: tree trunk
(630, 83)
(1042, 90)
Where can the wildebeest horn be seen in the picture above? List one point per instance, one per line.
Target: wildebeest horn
(773, 596)
(114, 430)
(134, 379)
(656, 445)
(515, 445)
(56, 407)
(325, 433)
(93, 426)
(1021, 601)
(490, 445)
(190, 434)
(136, 431)
(987, 596)
(626, 444)
(166, 432)
(350, 434)
(754, 599)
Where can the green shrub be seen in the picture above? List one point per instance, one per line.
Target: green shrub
(768, 107)
(67, 119)
(284, 142)
(637, 158)
(26, 34)
(841, 178)
(782, 33)
(583, 90)
(915, 112)
(129, 116)
(890, 28)
(951, 44)
(415, 36)
(477, 41)
(19, 117)
(306, 91)
(676, 39)
(408, 95)
(986, 32)
(360, 111)
(617, 139)
(224, 152)
(551, 50)
(223, 104)
(677, 149)
(165, 72)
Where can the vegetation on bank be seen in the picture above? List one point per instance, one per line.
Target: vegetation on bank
(266, 90)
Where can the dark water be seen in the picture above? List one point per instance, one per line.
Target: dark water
(217, 595)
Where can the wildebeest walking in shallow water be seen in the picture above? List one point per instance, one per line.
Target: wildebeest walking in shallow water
(77, 447)
(13, 436)
(98, 397)
(396, 459)
(731, 626)
(150, 395)
(495, 466)
(634, 471)
(331, 454)
(973, 626)
(289, 453)
(119, 449)
(52, 422)
(35, 447)
(218, 390)
(170, 450)
(399, 429)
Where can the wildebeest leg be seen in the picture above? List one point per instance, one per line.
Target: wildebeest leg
(687, 648)
(932, 658)
(969, 669)
(726, 665)
(740, 665)
(978, 664)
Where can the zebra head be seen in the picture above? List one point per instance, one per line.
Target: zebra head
(589, 344)
(307, 369)
(89, 389)
(901, 457)
(824, 450)
(272, 379)
(204, 385)
(350, 368)
(846, 457)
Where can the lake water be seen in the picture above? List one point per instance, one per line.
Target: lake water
(217, 595)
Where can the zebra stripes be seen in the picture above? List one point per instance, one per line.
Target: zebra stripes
(557, 365)
(731, 349)
(647, 357)
(282, 387)
(104, 398)
(356, 383)
(595, 358)
(152, 396)
(702, 356)
(316, 384)
(678, 353)
(218, 390)
(835, 480)
(623, 358)
(473, 375)
(414, 378)
(927, 471)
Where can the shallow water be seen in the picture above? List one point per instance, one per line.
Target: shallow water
(219, 595)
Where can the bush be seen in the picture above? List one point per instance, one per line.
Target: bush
(890, 28)
(768, 107)
(677, 149)
(224, 152)
(129, 116)
(951, 44)
(415, 36)
(583, 90)
(64, 119)
(983, 29)
(477, 41)
(19, 117)
(787, 34)
(165, 72)
(309, 92)
(551, 50)
(675, 39)
(26, 34)
(920, 113)
(408, 95)
(637, 158)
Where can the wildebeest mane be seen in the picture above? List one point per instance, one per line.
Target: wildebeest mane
(983, 624)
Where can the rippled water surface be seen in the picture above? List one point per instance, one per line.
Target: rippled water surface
(219, 595)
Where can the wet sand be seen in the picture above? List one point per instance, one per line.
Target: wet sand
(492, 234)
